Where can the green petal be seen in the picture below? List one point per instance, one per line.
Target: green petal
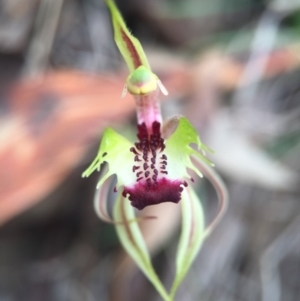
(128, 45)
(133, 242)
(115, 150)
(221, 191)
(192, 236)
(178, 150)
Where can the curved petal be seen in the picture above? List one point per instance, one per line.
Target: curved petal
(100, 202)
(220, 188)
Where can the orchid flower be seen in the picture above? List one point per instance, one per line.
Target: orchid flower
(153, 169)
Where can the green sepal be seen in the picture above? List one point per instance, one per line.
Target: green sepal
(133, 242)
(129, 46)
(191, 238)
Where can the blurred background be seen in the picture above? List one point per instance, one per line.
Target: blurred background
(232, 67)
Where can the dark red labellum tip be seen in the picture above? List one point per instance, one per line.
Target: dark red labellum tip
(147, 193)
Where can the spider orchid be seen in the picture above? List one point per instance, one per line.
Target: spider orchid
(154, 168)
